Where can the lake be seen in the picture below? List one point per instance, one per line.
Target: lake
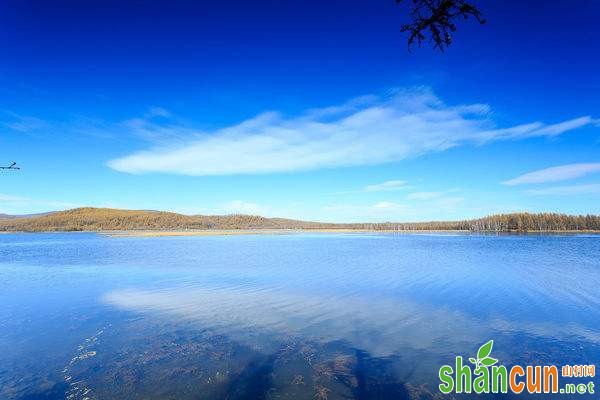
(296, 316)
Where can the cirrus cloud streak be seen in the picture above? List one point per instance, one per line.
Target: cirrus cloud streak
(370, 132)
(555, 174)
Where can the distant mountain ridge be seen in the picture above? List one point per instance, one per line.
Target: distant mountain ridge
(107, 219)
(11, 216)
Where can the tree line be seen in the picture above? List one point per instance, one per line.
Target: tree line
(515, 222)
(100, 219)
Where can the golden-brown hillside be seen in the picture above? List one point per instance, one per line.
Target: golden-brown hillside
(106, 219)
(101, 219)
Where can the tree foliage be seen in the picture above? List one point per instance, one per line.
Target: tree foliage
(515, 222)
(105, 219)
(436, 20)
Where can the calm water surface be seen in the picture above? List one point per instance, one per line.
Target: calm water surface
(285, 316)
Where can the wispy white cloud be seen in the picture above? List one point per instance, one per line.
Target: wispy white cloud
(441, 201)
(387, 186)
(349, 106)
(424, 195)
(366, 132)
(572, 190)
(22, 123)
(386, 206)
(10, 204)
(158, 112)
(13, 199)
(555, 174)
(239, 207)
(244, 207)
(383, 209)
(429, 206)
(448, 204)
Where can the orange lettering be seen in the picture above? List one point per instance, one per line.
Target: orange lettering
(534, 387)
(514, 386)
(550, 372)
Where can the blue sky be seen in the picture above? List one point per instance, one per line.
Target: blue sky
(298, 109)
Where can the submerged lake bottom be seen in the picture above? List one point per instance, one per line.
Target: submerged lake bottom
(298, 316)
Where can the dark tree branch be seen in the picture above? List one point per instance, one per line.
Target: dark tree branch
(11, 166)
(437, 19)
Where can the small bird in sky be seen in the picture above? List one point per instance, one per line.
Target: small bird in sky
(11, 166)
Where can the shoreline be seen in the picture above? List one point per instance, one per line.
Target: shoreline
(237, 232)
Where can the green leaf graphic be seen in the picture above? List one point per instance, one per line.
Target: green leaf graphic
(488, 361)
(473, 361)
(485, 350)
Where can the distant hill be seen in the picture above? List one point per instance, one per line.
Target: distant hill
(106, 219)
(103, 219)
(10, 216)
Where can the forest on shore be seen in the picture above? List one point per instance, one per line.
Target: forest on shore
(106, 219)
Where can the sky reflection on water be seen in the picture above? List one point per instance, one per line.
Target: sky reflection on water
(292, 316)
